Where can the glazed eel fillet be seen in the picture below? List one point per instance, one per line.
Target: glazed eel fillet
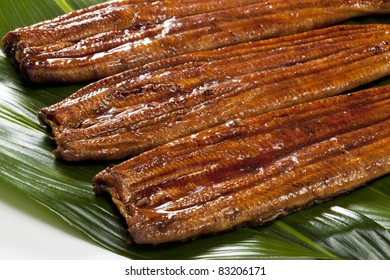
(109, 38)
(149, 106)
(253, 170)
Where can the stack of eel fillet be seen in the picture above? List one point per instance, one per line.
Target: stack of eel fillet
(146, 107)
(105, 39)
(233, 130)
(254, 170)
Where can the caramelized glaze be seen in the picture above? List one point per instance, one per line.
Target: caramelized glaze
(113, 37)
(149, 106)
(253, 170)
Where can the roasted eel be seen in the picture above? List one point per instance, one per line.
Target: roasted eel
(253, 170)
(152, 105)
(109, 38)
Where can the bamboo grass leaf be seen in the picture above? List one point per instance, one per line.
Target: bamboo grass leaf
(64, 5)
(354, 226)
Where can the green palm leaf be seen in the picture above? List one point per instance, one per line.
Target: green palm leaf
(354, 226)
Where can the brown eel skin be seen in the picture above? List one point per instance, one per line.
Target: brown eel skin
(109, 38)
(149, 106)
(253, 170)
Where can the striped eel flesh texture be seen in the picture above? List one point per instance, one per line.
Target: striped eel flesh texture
(250, 171)
(140, 109)
(112, 37)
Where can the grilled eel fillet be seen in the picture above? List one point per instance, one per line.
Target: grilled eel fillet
(109, 38)
(253, 170)
(152, 105)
